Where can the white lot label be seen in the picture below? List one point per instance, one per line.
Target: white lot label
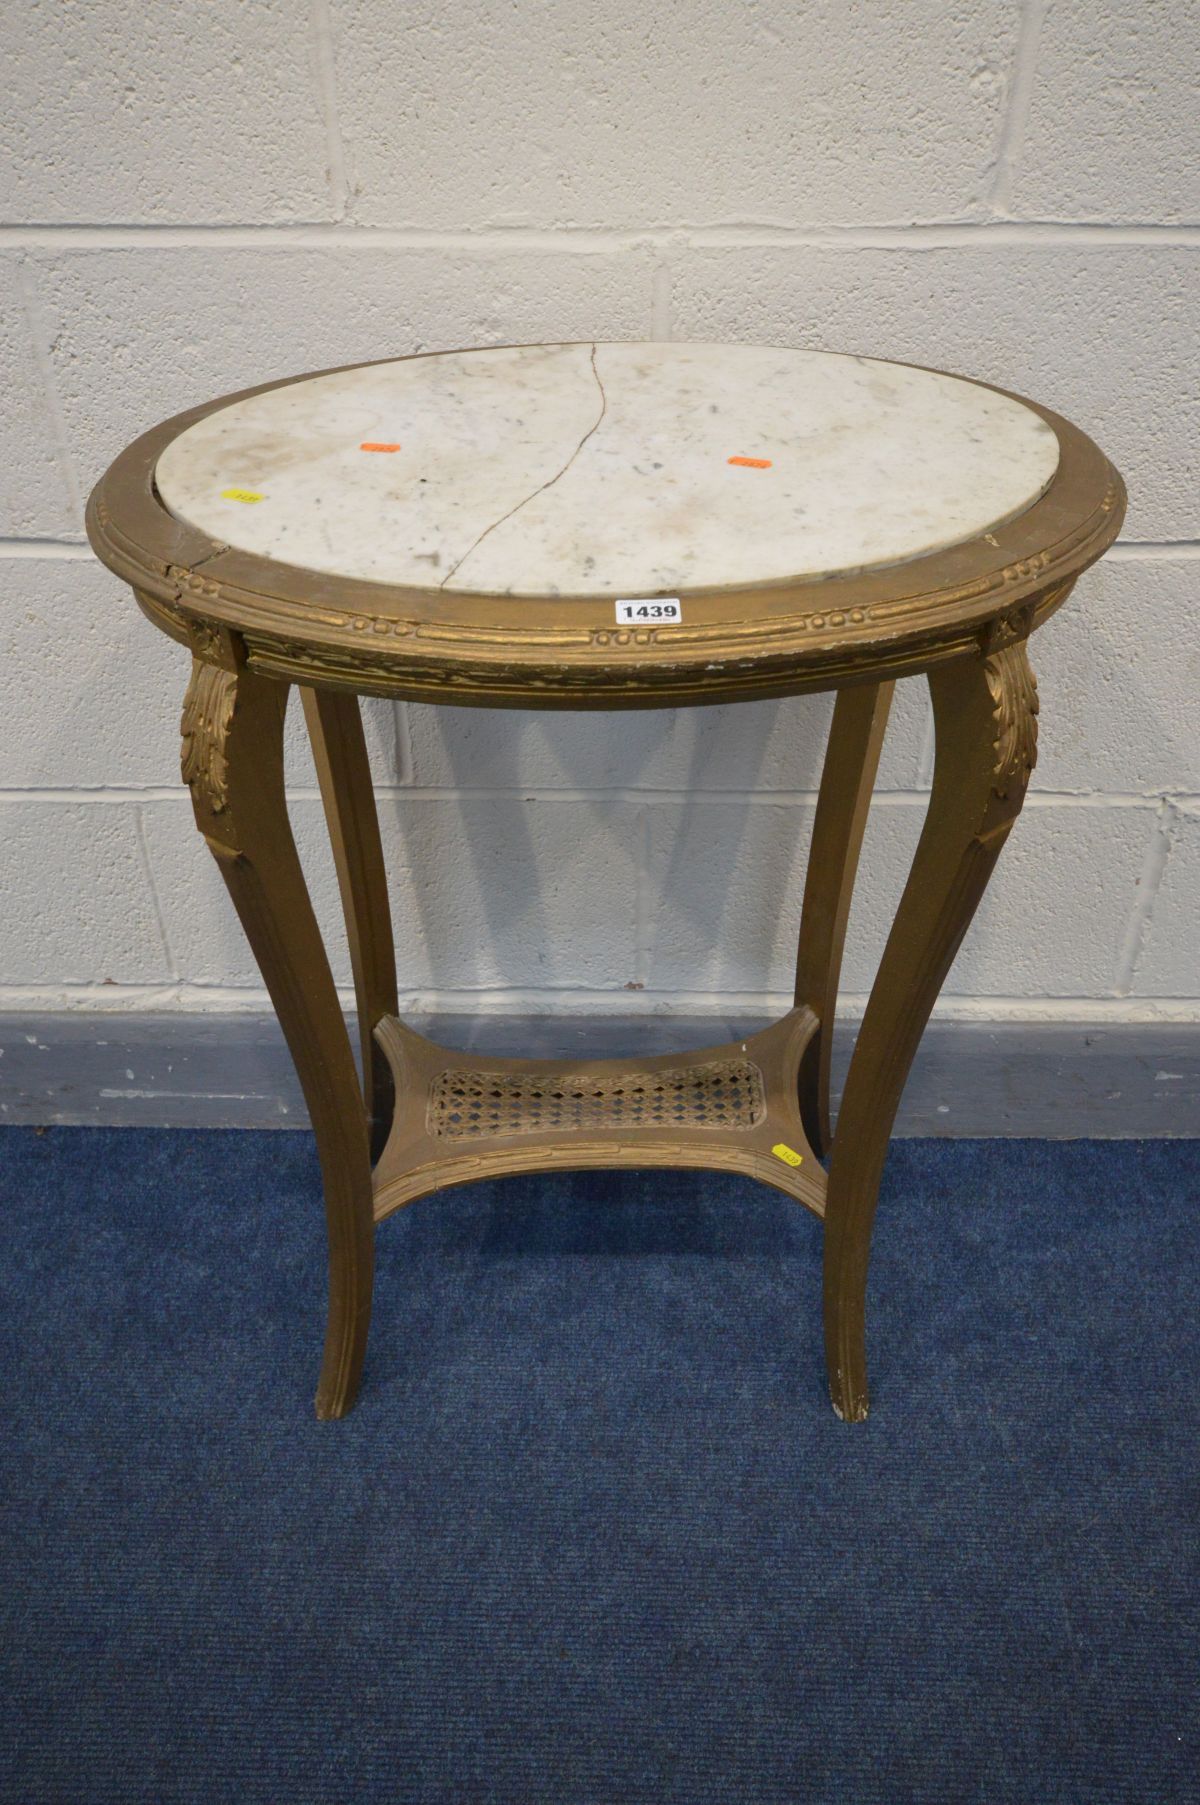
(655, 608)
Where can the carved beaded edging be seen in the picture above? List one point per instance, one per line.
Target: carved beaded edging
(709, 641)
(749, 650)
(207, 717)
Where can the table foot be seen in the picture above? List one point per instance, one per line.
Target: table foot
(985, 712)
(233, 763)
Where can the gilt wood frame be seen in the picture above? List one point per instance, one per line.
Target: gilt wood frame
(564, 651)
(961, 616)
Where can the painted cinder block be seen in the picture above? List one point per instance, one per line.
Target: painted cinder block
(205, 942)
(709, 114)
(1100, 332)
(485, 893)
(35, 501)
(90, 693)
(382, 728)
(78, 908)
(1119, 672)
(728, 882)
(515, 894)
(727, 879)
(758, 746)
(1053, 920)
(161, 115)
(506, 893)
(140, 334)
(1168, 961)
(1111, 129)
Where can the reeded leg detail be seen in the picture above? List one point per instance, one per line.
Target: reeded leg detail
(348, 794)
(856, 734)
(233, 763)
(985, 716)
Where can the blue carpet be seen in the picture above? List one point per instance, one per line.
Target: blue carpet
(593, 1534)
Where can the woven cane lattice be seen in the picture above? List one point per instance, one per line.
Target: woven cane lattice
(728, 1093)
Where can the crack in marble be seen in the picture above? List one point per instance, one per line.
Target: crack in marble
(542, 487)
(939, 460)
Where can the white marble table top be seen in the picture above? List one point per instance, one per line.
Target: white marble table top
(622, 470)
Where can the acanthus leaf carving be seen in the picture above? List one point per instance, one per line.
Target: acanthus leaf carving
(1014, 693)
(207, 717)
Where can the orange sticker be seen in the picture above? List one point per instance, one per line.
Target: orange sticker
(376, 445)
(752, 463)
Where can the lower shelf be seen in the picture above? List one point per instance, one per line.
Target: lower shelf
(730, 1108)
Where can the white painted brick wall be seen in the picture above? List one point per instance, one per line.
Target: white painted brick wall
(1110, 133)
(496, 115)
(213, 194)
(199, 112)
(1167, 962)
(36, 496)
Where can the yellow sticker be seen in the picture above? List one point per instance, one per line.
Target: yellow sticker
(788, 1155)
(241, 495)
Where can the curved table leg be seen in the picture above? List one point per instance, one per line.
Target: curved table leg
(856, 733)
(233, 763)
(348, 794)
(985, 720)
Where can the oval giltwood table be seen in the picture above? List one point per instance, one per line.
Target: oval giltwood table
(605, 526)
